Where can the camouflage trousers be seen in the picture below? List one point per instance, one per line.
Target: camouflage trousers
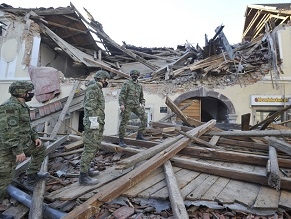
(92, 140)
(8, 165)
(125, 116)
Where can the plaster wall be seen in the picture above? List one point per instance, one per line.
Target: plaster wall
(51, 58)
(284, 42)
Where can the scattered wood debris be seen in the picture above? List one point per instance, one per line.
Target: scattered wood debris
(217, 173)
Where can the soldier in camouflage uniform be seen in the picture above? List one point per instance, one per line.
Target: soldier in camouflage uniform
(131, 99)
(17, 138)
(94, 120)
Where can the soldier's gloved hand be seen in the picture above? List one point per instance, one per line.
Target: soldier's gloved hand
(122, 108)
(20, 157)
(94, 123)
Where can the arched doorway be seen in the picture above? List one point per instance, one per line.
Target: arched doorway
(207, 105)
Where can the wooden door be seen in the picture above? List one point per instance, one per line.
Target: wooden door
(192, 111)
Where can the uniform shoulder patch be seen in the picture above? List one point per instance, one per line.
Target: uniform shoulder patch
(12, 121)
(9, 111)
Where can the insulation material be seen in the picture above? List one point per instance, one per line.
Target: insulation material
(46, 82)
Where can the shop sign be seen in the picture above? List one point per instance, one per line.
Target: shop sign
(270, 100)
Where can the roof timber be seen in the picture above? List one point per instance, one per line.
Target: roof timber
(112, 191)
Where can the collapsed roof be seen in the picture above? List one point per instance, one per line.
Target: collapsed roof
(67, 31)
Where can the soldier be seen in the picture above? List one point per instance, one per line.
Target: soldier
(94, 121)
(17, 138)
(131, 99)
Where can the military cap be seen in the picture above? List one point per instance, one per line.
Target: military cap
(20, 87)
(101, 74)
(134, 72)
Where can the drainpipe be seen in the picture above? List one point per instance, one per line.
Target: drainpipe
(48, 213)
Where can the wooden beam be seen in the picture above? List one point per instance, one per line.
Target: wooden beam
(197, 140)
(106, 67)
(61, 118)
(177, 203)
(36, 208)
(280, 145)
(273, 169)
(23, 165)
(113, 190)
(245, 121)
(232, 156)
(227, 172)
(74, 145)
(253, 133)
(128, 162)
(104, 36)
(58, 25)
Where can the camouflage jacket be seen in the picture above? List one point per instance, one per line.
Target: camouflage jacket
(15, 128)
(131, 94)
(94, 104)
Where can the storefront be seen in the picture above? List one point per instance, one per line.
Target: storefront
(265, 105)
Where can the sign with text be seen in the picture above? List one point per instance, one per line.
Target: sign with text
(270, 100)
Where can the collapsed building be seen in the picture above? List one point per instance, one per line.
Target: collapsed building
(219, 87)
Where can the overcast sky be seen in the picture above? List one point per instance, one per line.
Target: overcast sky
(160, 23)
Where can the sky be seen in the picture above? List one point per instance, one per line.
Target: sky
(160, 23)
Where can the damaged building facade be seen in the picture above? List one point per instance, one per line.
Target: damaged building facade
(59, 50)
(194, 170)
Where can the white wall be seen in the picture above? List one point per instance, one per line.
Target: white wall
(284, 40)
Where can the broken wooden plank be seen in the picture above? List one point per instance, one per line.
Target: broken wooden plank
(212, 193)
(36, 208)
(19, 211)
(232, 156)
(245, 121)
(179, 60)
(75, 190)
(94, 62)
(252, 133)
(122, 184)
(207, 153)
(125, 163)
(268, 198)
(177, 203)
(101, 33)
(183, 177)
(74, 145)
(179, 113)
(64, 111)
(285, 199)
(273, 169)
(146, 154)
(197, 140)
(237, 174)
(280, 145)
(278, 127)
(156, 176)
(202, 188)
(213, 141)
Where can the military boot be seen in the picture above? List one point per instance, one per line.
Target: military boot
(33, 178)
(121, 142)
(140, 136)
(2, 216)
(86, 180)
(93, 173)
